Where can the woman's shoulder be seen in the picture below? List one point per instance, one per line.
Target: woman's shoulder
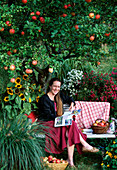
(44, 98)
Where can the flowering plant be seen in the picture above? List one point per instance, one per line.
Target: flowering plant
(72, 81)
(110, 157)
(98, 87)
(20, 96)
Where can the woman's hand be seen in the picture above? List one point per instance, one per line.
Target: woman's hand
(71, 107)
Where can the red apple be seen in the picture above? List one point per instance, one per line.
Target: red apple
(34, 17)
(42, 20)
(5, 67)
(58, 161)
(73, 14)
(34, 62)
(50, 157)
(94, 124)
(9, 53)
(12, 67)
(64, 15)
(7, 22)
(24, 1)
(37, 13)
(107, 34)
(14, 50)
(12, 31)
(65, 6)
(50, 70)
(63, 161)
(92, 38)
(91, 15)
(22, 33)
(28, 71)
(39, 30)
(32, 13)
(2, 29)
(9, 25)
(76, 27)
(54, 161)
(97, 16)
(88, 1)
(98, 63)
(12, 80)
(68, 5)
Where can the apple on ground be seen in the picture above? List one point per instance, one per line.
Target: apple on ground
(12, 80)
(39, 30)
(12, 67)
(34, 62)
(98, 63)
(28, 71)
(50, 70)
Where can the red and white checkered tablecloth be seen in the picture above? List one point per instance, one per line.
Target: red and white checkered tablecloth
(90, 112)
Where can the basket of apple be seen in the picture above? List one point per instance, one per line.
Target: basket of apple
(54, 163)
(100, 126)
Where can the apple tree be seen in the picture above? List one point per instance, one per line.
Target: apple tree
(37, 36)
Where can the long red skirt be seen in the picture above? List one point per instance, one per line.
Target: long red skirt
(56, 140)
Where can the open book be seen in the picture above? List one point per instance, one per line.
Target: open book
(66, 118)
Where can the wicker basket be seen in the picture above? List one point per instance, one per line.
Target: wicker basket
(57, 166)
(100, 129)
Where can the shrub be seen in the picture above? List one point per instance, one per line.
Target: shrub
(110, 158)
(98, 87)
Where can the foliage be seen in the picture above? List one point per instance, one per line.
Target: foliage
(110, 158)
(19, 146)
(55, 39)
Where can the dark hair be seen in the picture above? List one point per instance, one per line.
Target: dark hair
(51, 82)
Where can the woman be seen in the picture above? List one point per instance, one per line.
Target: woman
(51, 106)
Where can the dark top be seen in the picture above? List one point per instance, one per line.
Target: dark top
(46, 107)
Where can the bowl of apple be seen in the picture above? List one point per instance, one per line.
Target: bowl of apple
(100, 126)
(54, 163)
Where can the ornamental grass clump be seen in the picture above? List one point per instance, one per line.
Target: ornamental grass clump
(19, 146)
(98, 87)
(110, 157)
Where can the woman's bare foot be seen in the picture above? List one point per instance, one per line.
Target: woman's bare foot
(70, 163)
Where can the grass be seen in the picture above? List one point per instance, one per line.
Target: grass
(88, 161)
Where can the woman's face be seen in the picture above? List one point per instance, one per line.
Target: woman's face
(55, 87)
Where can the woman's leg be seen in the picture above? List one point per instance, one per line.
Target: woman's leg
(70, 150)
(84, 143)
